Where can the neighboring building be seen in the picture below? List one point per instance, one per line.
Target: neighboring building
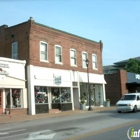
(13, 93)
(120, 81)
(56, 65)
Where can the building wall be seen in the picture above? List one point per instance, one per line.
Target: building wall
(29, 34)
(112, 88)
(123, 81)
(116, 85)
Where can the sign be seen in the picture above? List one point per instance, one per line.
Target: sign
(57, 80)
(4, 65)
(137, 76)
(3, 69)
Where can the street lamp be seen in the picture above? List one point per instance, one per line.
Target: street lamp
(90, 108)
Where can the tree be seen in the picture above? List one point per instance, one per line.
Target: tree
(133, 65)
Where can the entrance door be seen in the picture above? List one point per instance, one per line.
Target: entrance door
(1, 107)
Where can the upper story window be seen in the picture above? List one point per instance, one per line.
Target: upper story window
(84, 58)
(15, 50)
(43, 51)
(94, 61)
(58, 54)
(73, 57)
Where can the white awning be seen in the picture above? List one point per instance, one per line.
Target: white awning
(93, 78)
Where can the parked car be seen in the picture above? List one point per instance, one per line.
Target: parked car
(128, 102)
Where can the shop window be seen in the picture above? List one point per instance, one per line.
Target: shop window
(65, 95)
(13, 98)
(41, 95)
(61, 95)
(55, 95)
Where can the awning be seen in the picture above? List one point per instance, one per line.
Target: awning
(93, 78)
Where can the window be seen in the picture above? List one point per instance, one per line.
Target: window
(15, 50)
(41, 95)
(13, 98)
(94, 61)
(43, 51)
(84, 57)
(61, 95)
(58, 54)
(73, 56)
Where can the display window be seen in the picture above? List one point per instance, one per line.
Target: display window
(13, 98)
(41, 94)
(61, 95)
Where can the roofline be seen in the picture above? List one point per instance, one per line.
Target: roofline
(65, 32)
(12, 60)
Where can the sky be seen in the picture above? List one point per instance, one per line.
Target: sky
(115, 22)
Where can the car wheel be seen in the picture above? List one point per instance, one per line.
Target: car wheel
(119, 111)
(135, 109)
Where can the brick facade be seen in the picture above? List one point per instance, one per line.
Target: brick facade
(116, 86)
(29, 34)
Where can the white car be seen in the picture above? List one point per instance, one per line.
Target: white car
(128, 102)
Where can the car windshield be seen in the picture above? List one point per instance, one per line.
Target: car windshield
(128, 97)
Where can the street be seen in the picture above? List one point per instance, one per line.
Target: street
(104, 125)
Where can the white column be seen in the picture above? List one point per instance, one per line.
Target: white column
(31, 97)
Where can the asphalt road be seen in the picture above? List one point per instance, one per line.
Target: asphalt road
(106, 125)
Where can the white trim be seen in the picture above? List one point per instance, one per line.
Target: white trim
(93, 78)
(75, 57)
(61, 54)
(83, 52)
(46, 50)
(12, 60)
(95, 62)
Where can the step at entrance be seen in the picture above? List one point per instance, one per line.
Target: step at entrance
(54, 111)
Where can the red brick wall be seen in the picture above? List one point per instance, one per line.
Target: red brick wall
(29, 34)
(67, 41)
(21, 35)
(123, 81)
(116, 85)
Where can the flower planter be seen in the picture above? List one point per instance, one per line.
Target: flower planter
(107, 104)
(82, 106)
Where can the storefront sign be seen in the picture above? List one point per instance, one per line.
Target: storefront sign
(4, 65)
(57, 80)
(3, 69)
(137, 76)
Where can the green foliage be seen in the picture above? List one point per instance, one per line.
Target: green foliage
(83, 98)
(107, 100)
(133, 65)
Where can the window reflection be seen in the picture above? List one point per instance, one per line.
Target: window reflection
(41, 95)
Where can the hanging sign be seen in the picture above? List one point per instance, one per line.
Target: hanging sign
(57, 79)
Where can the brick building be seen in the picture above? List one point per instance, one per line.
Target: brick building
(56, 70)
(119, 81)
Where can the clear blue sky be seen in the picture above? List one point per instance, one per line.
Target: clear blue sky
(115, 22)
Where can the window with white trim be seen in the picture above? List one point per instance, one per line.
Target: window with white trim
(73, 57)
(43, 51)
(15, 50)
(94, 61)
(84, 58)
(58, 54)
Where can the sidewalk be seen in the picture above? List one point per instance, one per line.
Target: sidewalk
(9, 119)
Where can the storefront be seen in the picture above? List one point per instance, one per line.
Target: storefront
(13, 94)
(60, 89)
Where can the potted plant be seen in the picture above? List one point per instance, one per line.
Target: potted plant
(107, 103)
(82, 102)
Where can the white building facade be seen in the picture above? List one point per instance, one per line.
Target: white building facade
(13, 92)
(61, 89)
